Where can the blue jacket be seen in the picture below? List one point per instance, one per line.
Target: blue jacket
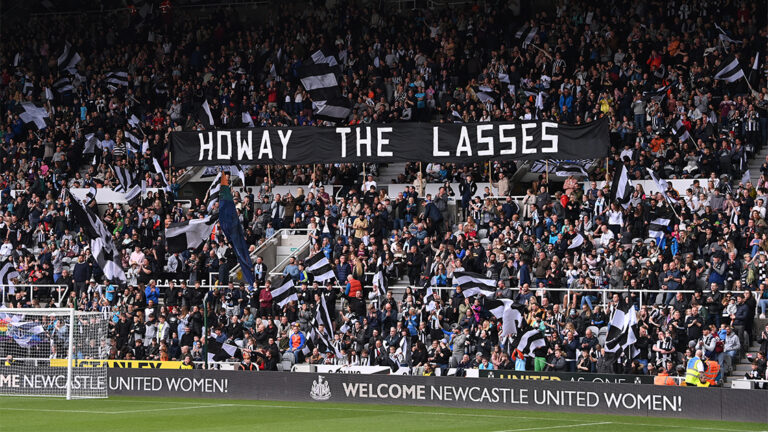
(81, 272)
(525, 274)
(150, 295)
(742, 315)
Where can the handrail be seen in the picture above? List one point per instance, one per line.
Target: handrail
(31, 287)
(268, 241)
(604, 291)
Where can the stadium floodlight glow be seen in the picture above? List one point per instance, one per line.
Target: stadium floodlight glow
(41, 351)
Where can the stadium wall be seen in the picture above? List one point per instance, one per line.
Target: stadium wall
(548, 396)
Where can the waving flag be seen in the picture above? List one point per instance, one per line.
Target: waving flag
(319, 267)
(474, 284)
(731, 71)
(189, 234)
(285, 293)
(622, 333)
(320, 77)
(233, 230)
(103, 248)
(621, 188)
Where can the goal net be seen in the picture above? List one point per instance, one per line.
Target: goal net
(51, 352)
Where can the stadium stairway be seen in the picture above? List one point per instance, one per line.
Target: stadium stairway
(388, 173)
(744, 366)
(755, 163)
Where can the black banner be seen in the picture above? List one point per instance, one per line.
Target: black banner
(546, 396)
(397, 142)
(567, 376)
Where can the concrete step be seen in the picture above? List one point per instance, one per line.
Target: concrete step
(389, 173)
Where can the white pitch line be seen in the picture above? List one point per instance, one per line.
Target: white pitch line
(555, 427)
(51, 410)
(116, 412)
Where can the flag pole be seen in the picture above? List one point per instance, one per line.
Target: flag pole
(421, 183)
(490, 174)
(269, 176)
(546, 168)
(205, 327)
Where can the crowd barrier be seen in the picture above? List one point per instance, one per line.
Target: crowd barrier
(547, 396)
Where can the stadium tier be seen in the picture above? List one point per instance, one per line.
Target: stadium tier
(491, 190)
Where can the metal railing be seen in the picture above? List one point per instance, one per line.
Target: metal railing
(6, 290)
(600, 292)
(271, 240)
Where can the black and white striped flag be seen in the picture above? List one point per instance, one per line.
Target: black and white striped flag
(212, 196)
(323, 316)
(133, 194)
(474, 284)
(497, 307)
(206, 117)
(133, 143)
(521, 31)
(92, 142)
(380, 284)
(161, 87)
(68, 58)
(285, 293)
(754, 73)
(63, 85)
(512, 319)
(661, 185)
(117, 78)
(486, 94)
(28, 88)
(158, 171)
(529, 38)
(731, 71)
(247, 119)
(31, 113)
(528, 340)
(658, 227)
(577, 241)
(621, 188)
(680, 131)
(126, 178)
(567, 169)
(189, 234)
(8, 273)
(103, 248)
(659, 93)
(622, 334)
(319, 267)
(319, 75)
(723, 36)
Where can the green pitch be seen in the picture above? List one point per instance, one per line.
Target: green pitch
(161, 414)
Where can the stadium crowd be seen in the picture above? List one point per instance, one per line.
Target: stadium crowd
(648, 66)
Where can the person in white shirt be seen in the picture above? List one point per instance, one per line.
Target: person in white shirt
(137, 256)
(759, 208)
(615, 218)
(368, 183)
(606, 236)
(7, 248)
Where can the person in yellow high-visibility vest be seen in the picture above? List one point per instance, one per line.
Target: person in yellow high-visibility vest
(694, 371)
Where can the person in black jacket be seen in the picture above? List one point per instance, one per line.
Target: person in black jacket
(414, 260)
(467, 189)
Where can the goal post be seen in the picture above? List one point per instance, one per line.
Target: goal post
(51, 352)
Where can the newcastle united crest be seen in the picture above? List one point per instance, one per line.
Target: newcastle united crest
(321, 390)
